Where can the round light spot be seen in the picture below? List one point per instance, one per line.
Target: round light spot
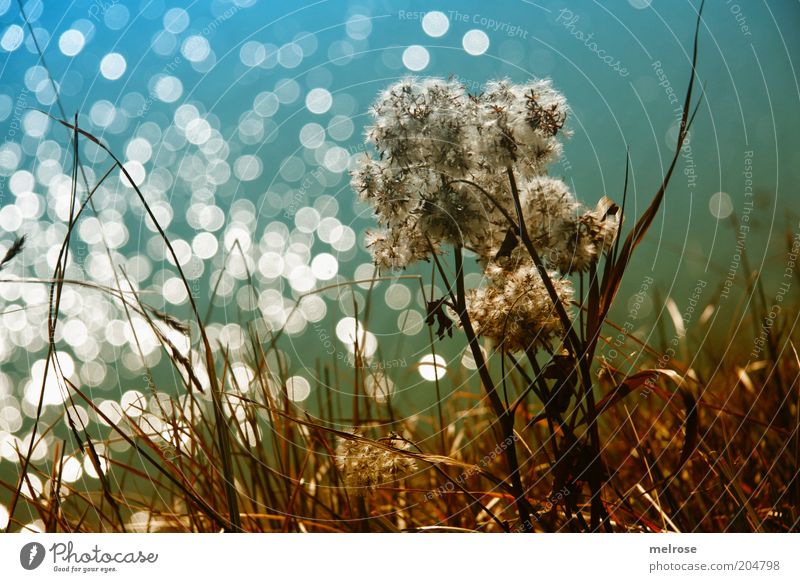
(432, 367)
(297, 388)
(168, 89)
(113, 66)
(135, 170)
(416, 57)
(139, 149)
(397, 296)
(71, 42)
(358, 27)
(410, 322)
(133, 403)
(343, 238)
(341, 52)
(340, 127)
(247, 167)
(195, 48)
(435, 24)
(319, 100)
(720, 205)
(77, 415)
(313, 308)
(290, 55)
(270, 265)
(174, 291)
(307, 219)
(312, 135)
(6, 105)
(287, 91)
(102, 113)
(640, 4)
(10, 419)
(252, 53)
(176, 20)
(307, 41)
(116, 16)
(198, 131)
(336, 159)
(266, 104)
(348, 330)
(10, 218)
(35, 123)
(324, 266)
(12, 38)
(75, 332)
(3, 516)
(475, 42)
(205, 245)
(89, 468)
(71, 470)
(365, 273)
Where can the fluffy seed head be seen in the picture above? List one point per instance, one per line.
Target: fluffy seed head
(365, 466)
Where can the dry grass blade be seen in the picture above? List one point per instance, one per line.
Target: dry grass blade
(15, 249)
(612, 283)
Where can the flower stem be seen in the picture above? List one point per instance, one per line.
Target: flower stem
(504, 416)
(579, 353)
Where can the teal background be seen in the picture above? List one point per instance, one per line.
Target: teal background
(750, 103)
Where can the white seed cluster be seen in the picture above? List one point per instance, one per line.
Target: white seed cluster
(442, 175)
(515, 310)
(364, 466)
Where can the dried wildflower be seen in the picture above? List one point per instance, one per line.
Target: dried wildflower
(514, 310)
(365, 466)
(586, 237)
(567, 235)
(437, 147)
(518, 126)
(396, 249)
(441, 176)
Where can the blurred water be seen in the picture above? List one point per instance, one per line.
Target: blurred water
(239, 121)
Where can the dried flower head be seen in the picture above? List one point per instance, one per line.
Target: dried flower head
(518, 124)
(365, 466)
(586, 237)
(437, 148)
(567, 235)
(441, 176)
(514, 310)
